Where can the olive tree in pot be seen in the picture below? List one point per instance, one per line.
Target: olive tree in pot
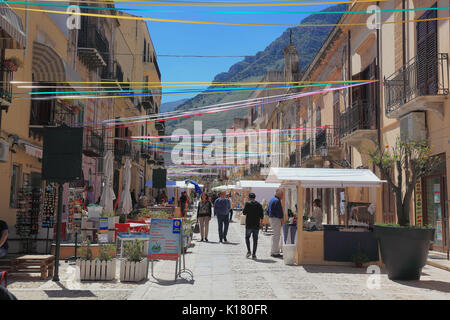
(404, 247)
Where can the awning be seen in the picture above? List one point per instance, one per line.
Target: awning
(169, 184)
(49, 66)
(324, 177)
(12, 33)
(256, 184)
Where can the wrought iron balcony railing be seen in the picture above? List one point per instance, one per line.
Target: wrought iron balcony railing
(327, 137)
(361, 116)
(306, 150)
(93, 145)
(419, 77)
(50, 113)
(6, 76)
(89, 38)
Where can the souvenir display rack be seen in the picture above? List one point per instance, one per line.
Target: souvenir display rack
(27, 217)
(49, 210)
(75, 210)
(49, 207)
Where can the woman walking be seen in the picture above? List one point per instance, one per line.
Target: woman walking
(204, 216)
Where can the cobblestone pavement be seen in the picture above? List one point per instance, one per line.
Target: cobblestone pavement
(221, 271)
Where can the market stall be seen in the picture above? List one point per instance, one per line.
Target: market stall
(335, 244)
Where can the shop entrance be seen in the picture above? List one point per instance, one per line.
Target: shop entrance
(435, 201)
(435, 210)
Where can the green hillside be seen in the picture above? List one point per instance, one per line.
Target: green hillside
(308, 41)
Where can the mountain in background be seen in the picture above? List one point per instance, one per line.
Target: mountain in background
(170, 106)
(308, 41)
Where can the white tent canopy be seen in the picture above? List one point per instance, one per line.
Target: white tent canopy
(227, 187)
(257, 184)
(324, 177)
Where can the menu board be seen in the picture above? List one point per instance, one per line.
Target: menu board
(165, 238)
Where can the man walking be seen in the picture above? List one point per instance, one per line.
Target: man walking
(255, 214)
(222, 208)
(275, 212)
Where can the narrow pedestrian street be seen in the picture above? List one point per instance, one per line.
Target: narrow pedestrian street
(222, 272)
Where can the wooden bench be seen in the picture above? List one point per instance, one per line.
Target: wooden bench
(42, 264)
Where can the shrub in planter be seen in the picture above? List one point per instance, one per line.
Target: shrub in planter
(102, 268)
(404, 248)
(359, 259)
(134, 266)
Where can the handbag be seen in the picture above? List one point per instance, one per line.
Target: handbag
(197, 227)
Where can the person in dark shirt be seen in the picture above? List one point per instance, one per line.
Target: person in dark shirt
(254, 215)
(276, 217)
(3, 238)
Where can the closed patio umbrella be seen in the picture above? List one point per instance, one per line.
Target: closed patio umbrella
(107, 198)
(126, 204)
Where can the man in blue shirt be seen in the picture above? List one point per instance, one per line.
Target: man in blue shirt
(222, 208)
(276, 217)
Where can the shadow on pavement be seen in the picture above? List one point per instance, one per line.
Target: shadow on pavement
(231, 243)
(335, 269)
(162, 282)
(427, 284)
(264, 260)
(67, 293)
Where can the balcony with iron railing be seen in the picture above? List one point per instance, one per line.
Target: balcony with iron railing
(50, 113)
(121, 149)
(6, 76)
(112, 76)
(93, 145)
(361, 116)
(420, 85)
(305, 151)
(93, 47)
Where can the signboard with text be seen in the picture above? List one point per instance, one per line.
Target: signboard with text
(164, 243)
(419, 203)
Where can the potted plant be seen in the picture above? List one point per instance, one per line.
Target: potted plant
(359, 259)
(13, 63)
(134, 266)
(101, 268)
(404, 248)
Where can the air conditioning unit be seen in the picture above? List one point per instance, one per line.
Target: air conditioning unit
(413, 127)
(4, 151)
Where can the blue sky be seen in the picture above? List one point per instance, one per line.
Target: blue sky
(195, 39)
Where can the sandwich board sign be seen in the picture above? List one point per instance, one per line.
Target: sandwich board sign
(164, 239)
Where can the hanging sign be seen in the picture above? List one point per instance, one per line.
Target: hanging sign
(419, 203)
(164, 243)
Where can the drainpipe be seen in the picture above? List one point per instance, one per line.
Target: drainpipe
(404, 48)
(380, 89)
(349, 58)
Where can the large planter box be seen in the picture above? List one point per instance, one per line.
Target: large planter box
(404, 251)
(133, 271)
(97, 270)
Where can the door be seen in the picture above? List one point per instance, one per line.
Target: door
(427, 54)
(435, 209)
